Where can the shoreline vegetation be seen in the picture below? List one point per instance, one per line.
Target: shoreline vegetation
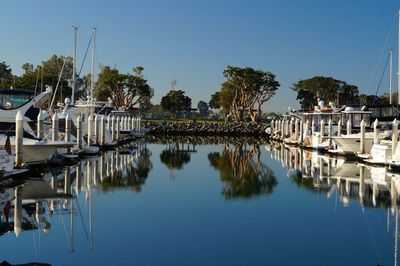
(206, 129)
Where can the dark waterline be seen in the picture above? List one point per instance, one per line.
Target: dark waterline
(205, 204)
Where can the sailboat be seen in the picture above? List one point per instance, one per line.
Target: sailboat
(87, 109)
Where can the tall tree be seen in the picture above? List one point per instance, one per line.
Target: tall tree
(325, 88)
(6, 76)
(203, 108)
(176, 101)
(126, 90)
(215, 101)
(246, 90)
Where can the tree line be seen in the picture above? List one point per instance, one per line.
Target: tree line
(241, 96)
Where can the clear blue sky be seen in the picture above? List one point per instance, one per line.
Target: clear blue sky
(193, 41)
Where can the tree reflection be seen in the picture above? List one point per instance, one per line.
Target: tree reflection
(176, 155)
(242, 171)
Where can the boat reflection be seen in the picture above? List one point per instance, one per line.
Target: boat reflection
(242, 171)
(33, 204)
(351, 182)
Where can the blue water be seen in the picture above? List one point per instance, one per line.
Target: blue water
(187, 209)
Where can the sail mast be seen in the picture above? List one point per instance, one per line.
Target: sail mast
(93, 58)
(398, 65)
(74, 68)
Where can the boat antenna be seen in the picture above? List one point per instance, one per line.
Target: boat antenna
(93, 58)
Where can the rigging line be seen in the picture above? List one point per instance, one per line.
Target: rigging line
(86, 52)
(37, 81)
(63, 222)
(62, 69)
(58, 83)
(83, 222)
(382, 53)
(371, 236)
(34, 241)
(381, 78)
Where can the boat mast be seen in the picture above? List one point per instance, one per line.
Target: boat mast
(74, 68)
(93, 58)
(390, 75)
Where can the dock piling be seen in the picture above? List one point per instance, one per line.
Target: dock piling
(19, 130)
(362, 137)
(55, 127)
(79, 132)
(40, 125)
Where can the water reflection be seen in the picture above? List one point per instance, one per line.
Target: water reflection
(33, 204)
(242, 171)
(176, 155)
(126, 171)
(348, 181)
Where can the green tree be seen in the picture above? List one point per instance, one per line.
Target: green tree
(203, 108)
(6, 76)
(325, 88)
(126, 90)
(246, 90)
(176, 101)
(215, 101)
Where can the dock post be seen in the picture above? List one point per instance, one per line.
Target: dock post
(273, 128)
(109, 123)
(128, 124)
(291, 128)
(286, 128)
(55, 127)
(348, 127)
(301, 131)
(68, 127)
(118, 122)
(113, 128)
(19, 131)
(312, 127)
(362, 137)
(362, 183)
(339, 128)
(296, 129)
(376, 133)
(102, 130)
(139, 124)
(322, 131)
(79, 132)
(40, 125)
(395, 135)
(122, 121)
(18, 210)
(330, 128)
(89, 129)
(96, 129)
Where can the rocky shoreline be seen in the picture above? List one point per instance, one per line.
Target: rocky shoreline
(161, 128)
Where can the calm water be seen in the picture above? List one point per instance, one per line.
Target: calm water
(184, 204)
